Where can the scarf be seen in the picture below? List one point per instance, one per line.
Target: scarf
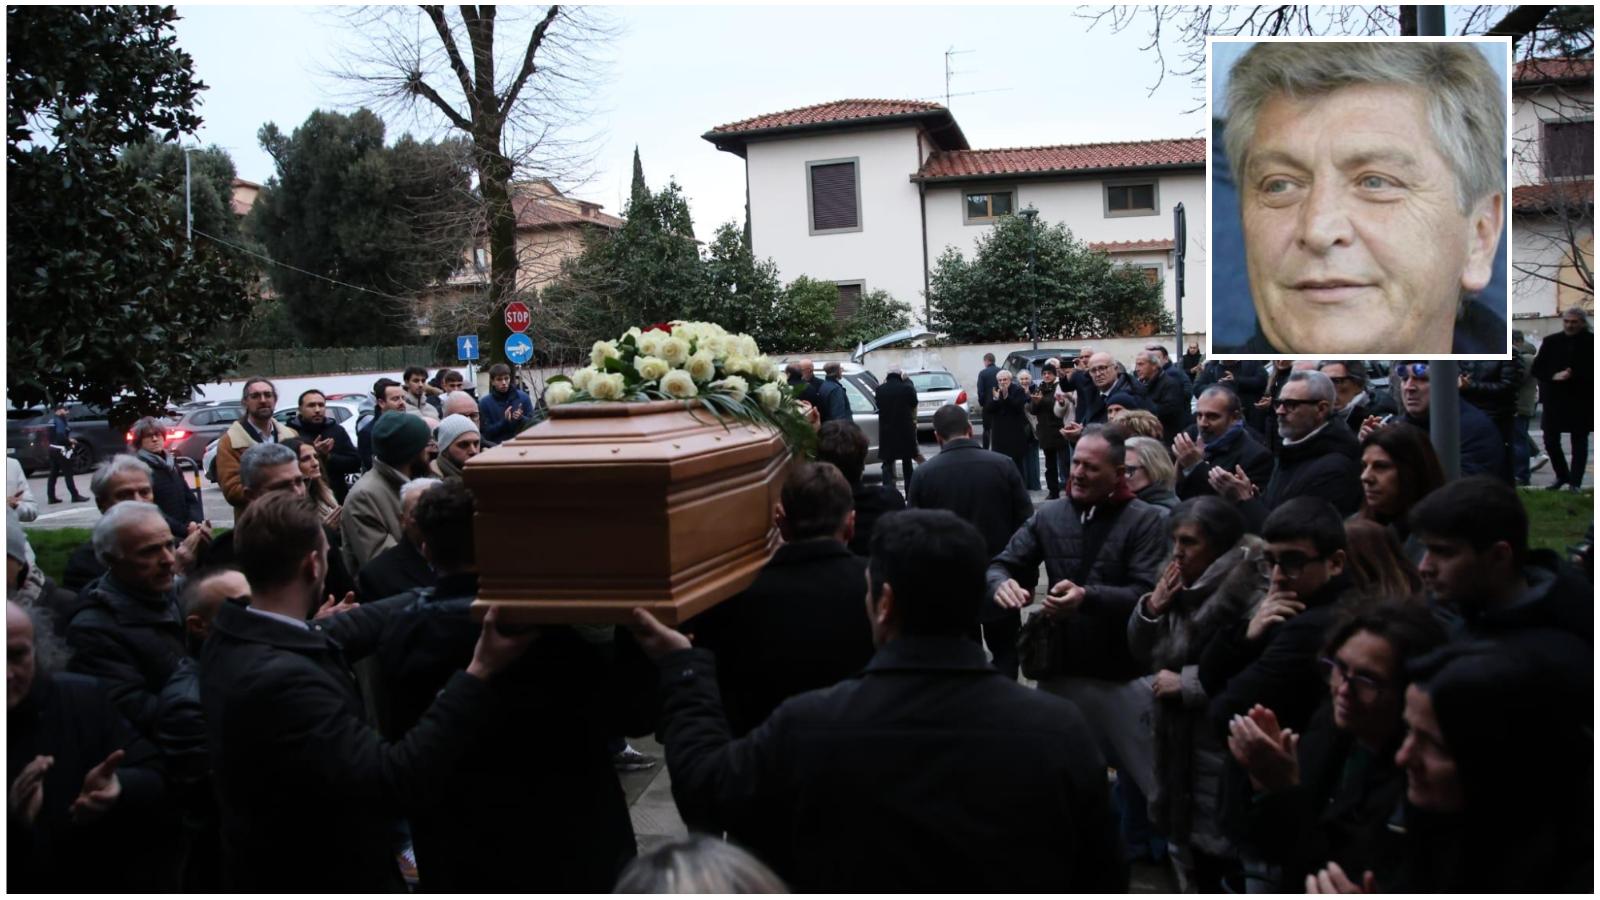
(156, 461)
(1225, 440)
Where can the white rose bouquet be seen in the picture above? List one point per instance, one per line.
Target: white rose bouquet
(698, 363)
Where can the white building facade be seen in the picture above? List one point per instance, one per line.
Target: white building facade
(869, 193)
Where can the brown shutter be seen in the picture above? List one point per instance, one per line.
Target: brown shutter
(849, 302)
(833, 196)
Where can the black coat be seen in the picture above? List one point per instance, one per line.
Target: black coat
(343, 464)
(290, 746)
(1493, 385)
(71, 718)
(982, 487)
(801, 625)
(178, 500)
(131, 643)
(1568, 405)
(872, 502)
(1006, 421)
(897, 418)
(1249, 378)
(1482, 450)
(1092, 408)
(833, 402)
(396, 570)
(1245, 452)
(82, 568)
(928, 772)
(1132, 546)
(986, 385)
(1327, 465)
(220, 555)
(1170, 402)
(1043, 407)
(537, 807)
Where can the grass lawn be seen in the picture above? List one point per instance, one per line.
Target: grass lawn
(1557, 520)
(52, 546)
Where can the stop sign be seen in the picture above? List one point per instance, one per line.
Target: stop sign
(517, 316)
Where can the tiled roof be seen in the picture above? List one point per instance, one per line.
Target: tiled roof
(1552, 196)
(1553, 71)
(531, 213)
(1132, 246)
(1063, 158)
(824, 113)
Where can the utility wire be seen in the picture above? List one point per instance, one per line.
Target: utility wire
(261, 256)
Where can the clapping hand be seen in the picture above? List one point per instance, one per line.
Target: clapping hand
(188, 552)
(101, 788)
(1167, 684)
(1333, 880)
(1064, 597)
(324, 445)
(27, 792)
(1011, 595)
(1188, 451)
(1235, 485)
(1072, 431)
(1262, 749)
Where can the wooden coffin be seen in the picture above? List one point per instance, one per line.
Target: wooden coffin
(607, 506)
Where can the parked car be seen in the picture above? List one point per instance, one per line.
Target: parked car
(21, 446)
(936, 388)
(861, 389)
(96, 439)
(346, 409)
(1033, 360)
(198, 426)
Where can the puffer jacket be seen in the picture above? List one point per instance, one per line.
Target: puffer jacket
(1493, 385)
(132, 642)
(1190, 757)
(1132, 543)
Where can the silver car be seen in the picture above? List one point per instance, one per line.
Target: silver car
(935, 388)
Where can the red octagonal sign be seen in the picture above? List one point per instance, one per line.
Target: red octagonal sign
(517, 316)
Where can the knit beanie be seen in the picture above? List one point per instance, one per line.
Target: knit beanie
(452, 429)
(1126, 400)
(397, 438)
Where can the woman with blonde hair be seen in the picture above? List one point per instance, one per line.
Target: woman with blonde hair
(1139, 422)
(1151, 474)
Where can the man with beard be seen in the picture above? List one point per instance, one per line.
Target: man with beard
(256, 426)
(390, 397)
(1218, 440)
(340, 459)
(371, 520)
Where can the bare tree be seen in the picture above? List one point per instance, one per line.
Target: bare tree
(523, 105)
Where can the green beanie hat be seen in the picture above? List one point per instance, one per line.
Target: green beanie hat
(398, 437)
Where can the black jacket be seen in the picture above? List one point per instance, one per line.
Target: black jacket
(980, 486)
(872, 502)
(1249, 378)
(1568, 405)
(1007, 422)
(1339, 811)
(132, 643)
(1043, 407)
(833, 402)
(219, 555)
(343, 464)
(1132, 546)
(178, 500)
(290, 746)
(1092, 408)
(537, 807)
(1170, 402)
(897, 418)
(1493, 385)
(1244, 452)
(82, 568)
(396, 570)
(71, 718)
(1482, 450)
(801, 625)
(928, 772)
(1326, 465)
(986, 385)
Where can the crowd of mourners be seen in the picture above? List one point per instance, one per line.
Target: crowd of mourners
(1259, 637)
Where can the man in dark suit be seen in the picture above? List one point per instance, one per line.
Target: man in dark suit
(844, 445)
(897, 424)
(799, 626)
(1164, 394)
(984, 488)
(1218, 440)
(986, 383)
(927, 772)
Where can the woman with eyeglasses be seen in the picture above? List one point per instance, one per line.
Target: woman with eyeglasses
(1211, 582)
(1151, 473)
(1398, 469)
(179, 502)
(1328, 794)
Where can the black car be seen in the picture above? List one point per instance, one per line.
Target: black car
(1033, 360)
(28, 440)
(199, 426)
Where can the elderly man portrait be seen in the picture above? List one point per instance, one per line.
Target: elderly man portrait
(1371, 181)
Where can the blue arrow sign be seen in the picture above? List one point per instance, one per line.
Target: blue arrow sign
(467, 347)
(519, 348)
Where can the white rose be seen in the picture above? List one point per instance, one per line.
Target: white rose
(737, 365)
(558, 393)
(634, 331)
(607, 387)
(685, 331)
(651, 367)
(674, 350)
(678, 383)
(764, 368)
(582, 377)
(770, 396)
(734, 385)
(602, 351)
(715, 344)
(747, 346)
(649, 343)
(701, 366)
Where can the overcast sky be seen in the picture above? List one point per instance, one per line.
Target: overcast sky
(676, 72)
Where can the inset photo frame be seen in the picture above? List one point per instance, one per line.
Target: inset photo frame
(1358, 197)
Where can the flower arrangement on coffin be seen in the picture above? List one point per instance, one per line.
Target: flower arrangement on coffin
(698, 363)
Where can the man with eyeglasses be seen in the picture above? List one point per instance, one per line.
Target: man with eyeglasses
(1349, 377)
(340, 459)
(461, 403)
(1482, 450)
(1317, 456)
(1271, 658)
(256, 426)
(1096, 382)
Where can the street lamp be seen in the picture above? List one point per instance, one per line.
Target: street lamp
(1029, 215)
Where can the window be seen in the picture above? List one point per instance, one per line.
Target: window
(984, 208)
(480, 259)
(1152, 274)
(860, 403)
(834, 195)
(1131, 198)
(1568, 149)
(934, 381)
(849, 300)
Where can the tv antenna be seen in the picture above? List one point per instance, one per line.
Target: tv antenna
(949, 52)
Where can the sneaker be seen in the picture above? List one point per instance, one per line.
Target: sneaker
(631, 760)
(1539, 462)
(407, 859)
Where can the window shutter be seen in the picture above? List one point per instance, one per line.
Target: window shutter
(1568, 149)
(833, 196)
(849, 302)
